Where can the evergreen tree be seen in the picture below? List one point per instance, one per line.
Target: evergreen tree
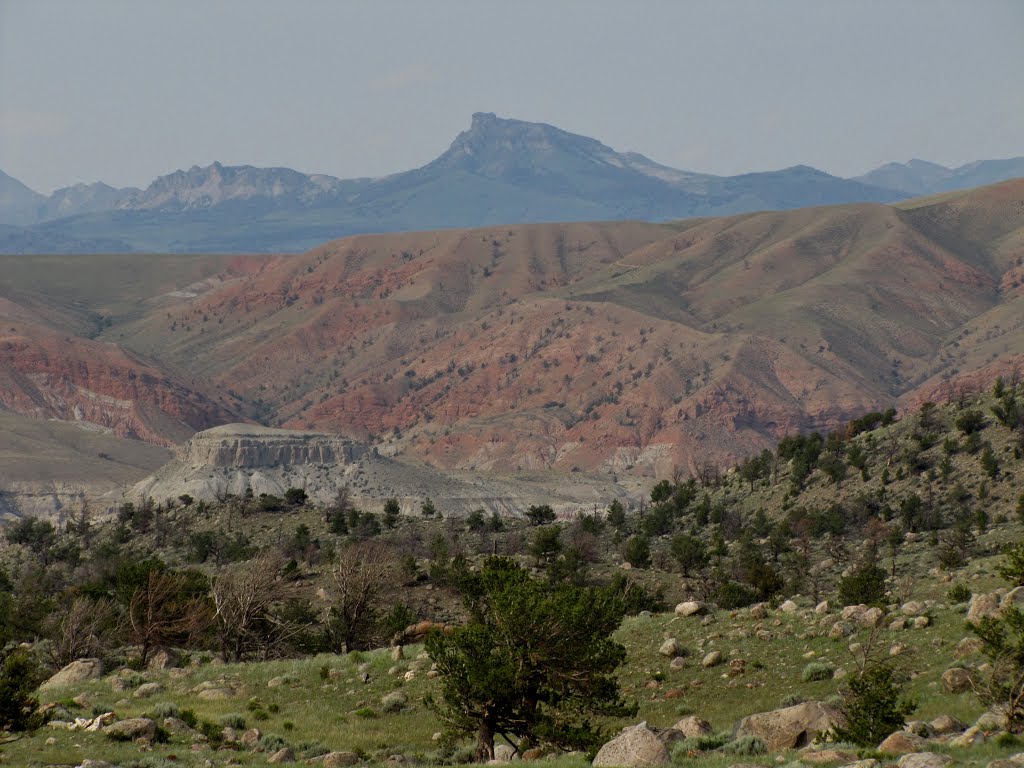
(533, 661)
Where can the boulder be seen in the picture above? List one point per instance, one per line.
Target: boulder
(147, 689)
(869, 763)
(822, 756)
(993, 720)
(677, 663)
(758, 611)
(789, 607)
(943, 725)
(341, 759)
(900, 743)
(898, 625)
(75, 672)
(635, 747)
(969, 646)
(924, 760)
(713, 659)
(1013, 761)
(921, 622)
(790, 727)
(397, 654)
(982, 605)
(970, 737)
(96, 764)
(692, 726)
(286, 755)
(912, 608)
(690, 608)
(872, 617)
(250, 738)
(394, 701)
(504, 753)
(822, 607)
(215, 694)
(131, 729)
(671, 648)
(956, 680)
(852, 611)
(1012, 599)
(839, 630)
(163, 658)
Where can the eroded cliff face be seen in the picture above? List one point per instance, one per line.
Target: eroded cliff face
(246, 446)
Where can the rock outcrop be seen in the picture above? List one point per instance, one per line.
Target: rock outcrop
(636, 747)
(791, 727)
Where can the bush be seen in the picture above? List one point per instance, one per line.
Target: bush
(792, 699)
(817, 670)
(746, 746)
(866, 585)
(233, 720)
(872, 706)
(959, 593)
(19, 676)
(732, 595)
(366, 712)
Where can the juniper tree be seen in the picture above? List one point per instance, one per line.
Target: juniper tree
(534, 662)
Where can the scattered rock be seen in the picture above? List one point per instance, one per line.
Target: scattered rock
(758, 611)
(852, 611)
(912, 608)
(712, 659)
(96, 764)
(250, 738)
(898, 625)
(690, 608)
(671, 648)
(174, 725)
(872, 617)
(340, 759)
(394, 701)
(839, 630)
(818, 756)
(898, 648)
(969, 646)
(944, 725)
(677, 663)
(869, 763)
(147, 689)
(991, 721)
(970, 737)
(982, 605)
(635, 747)
(900, 743)
(1012, 599)
(277, 682)
(285, 755)
(75, 672)
(924, 760)
(131, 729)
(692, 726)
(215, 694)
(822, 607)
(921, 622)
(163, 658)
(503, 753)
(790, 727)
(789, 607)
(956, 680)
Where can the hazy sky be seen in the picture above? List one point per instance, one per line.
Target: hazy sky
(123, 91)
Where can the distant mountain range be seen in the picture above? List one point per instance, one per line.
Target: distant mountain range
(498, 172)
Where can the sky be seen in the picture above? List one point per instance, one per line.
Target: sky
(124, 91)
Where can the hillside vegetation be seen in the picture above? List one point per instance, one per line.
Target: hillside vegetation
(909, 514)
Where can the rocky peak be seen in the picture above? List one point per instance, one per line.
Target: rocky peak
(216, 184)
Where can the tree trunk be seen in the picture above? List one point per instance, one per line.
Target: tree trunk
(485, 743)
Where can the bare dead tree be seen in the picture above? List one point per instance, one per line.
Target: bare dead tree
(365, 572)
(79, 629)
(244, 599)
(164, 611)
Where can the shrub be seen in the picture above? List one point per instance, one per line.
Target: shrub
(272, 742)
(866, 584)
(791, 700)
(233, 720)
(19, 676)
(872, 705)
(959, 593)
(365, 712)
(746, 745)
(817, 670)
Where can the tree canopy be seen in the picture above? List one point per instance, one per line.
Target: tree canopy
(534, 661)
